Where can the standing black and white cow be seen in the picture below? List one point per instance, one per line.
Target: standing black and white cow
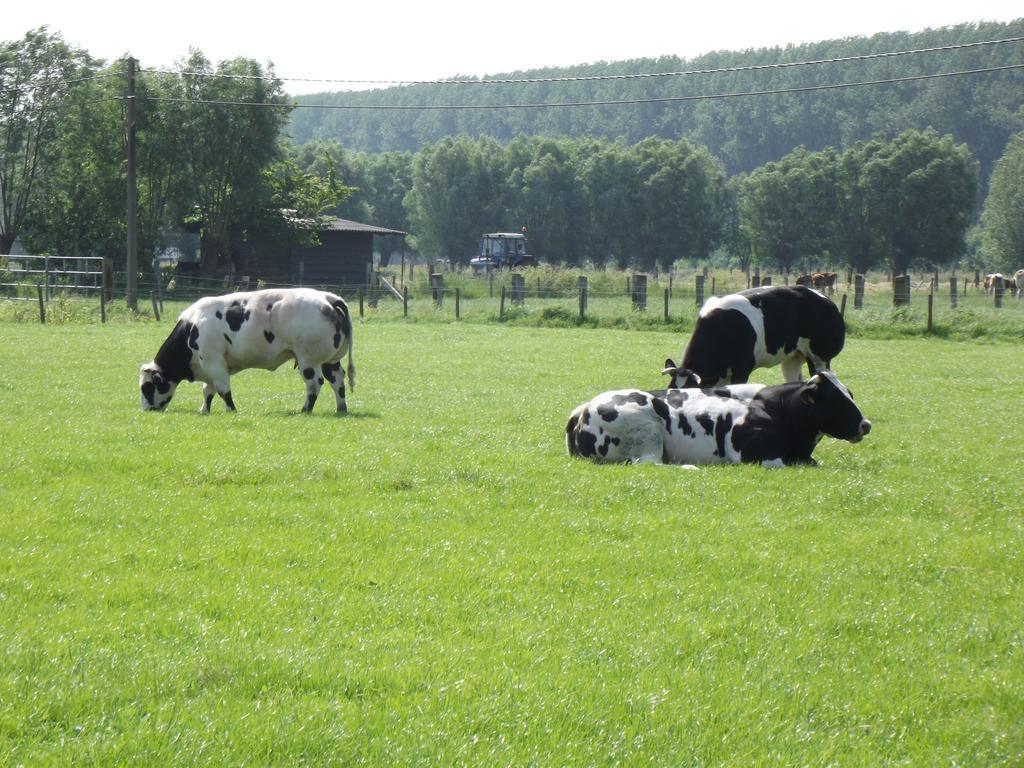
(221, 335)
(762, 327)
(780, 425)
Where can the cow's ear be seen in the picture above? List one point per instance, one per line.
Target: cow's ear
(669, 363)
(810, 390)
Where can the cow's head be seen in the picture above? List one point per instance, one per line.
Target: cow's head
(682, 378)
(155, 389)
(833, 409)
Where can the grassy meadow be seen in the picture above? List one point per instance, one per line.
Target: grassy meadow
(430, 580)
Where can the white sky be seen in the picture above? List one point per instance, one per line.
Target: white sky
(390, 40)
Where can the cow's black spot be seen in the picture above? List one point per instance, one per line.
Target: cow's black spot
(608, 440)
(309, 373)
(586, 443)
(633, 397)
(269, 337)
(337, 339)
(228, 338)
(148, 391)
(320, 380)
(707, 422)
(722, 427)
(329, 371)
(661, 408)
(163, 386)
(270, 306)
(684, 425)
(721, 392)
(236, 316)
(676, 398)
(193, 338)
(219, 315)
(608, 411)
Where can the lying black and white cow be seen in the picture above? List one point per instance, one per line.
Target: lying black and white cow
(221, 335)
(779, 425)
(761, 327)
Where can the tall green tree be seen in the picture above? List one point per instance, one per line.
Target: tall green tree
(1002, 222)
(681, 191)
(458, 192)
(79, 202)
(37, 74)
(230, 137)
(787, 209)
(921, 190)
(547, 198)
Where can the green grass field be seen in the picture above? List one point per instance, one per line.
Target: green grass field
(432, 581)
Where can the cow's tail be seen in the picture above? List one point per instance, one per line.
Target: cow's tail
(344, 325)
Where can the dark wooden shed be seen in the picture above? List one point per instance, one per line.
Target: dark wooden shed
(344, 256)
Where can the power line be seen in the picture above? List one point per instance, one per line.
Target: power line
(611, 103)
(586, 78)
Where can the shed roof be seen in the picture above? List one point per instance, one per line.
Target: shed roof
(344, 225)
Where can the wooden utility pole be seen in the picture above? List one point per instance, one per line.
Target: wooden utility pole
(133, 205)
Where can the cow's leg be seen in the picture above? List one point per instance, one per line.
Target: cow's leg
(314, 379)
(792, 368)
(221, 384)
(208, 393)
(334, 377)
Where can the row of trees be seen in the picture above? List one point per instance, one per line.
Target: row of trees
(214, 155)
(879, 204)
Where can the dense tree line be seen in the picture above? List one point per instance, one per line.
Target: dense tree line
(980, 110)
(879, 204)
(213, 157)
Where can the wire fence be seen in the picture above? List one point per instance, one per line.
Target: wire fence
(82, 288)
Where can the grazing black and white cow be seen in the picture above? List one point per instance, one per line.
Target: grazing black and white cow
(1018, 281)
(761, 327)
(221, 335)
(780, 425)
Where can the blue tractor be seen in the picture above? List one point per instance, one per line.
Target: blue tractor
(502, 250)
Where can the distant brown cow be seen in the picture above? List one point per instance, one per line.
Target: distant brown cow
(822, 281)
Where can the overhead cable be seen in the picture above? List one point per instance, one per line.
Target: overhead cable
(610, 103)
(585, 78)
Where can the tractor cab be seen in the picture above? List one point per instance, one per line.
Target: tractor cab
(502, 250)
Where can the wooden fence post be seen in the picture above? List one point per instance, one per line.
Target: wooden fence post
(766, 281)
(360, 301)
(374, 289)
(518, 288)
(437, 288)
(699, 288)
(842, 306)
(501, 306)
(639, 292)
(931, 301)
(458, 302)
(901, 290)
(42, 306)
(858, 292)
(405, 301)
(952, 292)
(997, 293)
(666, 305)
(583, 296)
(156, 307)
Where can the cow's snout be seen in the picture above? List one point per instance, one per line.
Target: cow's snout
(865, 427)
